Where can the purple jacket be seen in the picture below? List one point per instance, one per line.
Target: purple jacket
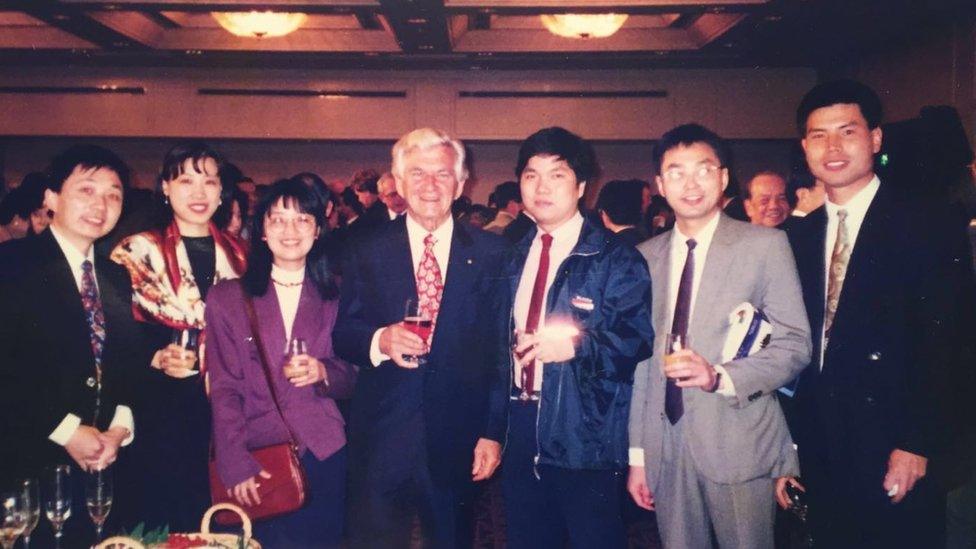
(244, 415)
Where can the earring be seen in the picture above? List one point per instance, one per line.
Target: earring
(166, 199)
(220, 202)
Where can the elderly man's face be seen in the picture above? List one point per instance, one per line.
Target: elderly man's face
(767, 204)
(389, 195)
(429, 184)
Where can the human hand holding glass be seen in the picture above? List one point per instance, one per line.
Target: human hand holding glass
(296, 358)
(418, 322)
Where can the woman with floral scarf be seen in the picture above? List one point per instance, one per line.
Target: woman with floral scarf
(172, 267)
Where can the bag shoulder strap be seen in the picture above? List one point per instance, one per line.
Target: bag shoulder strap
(262, 355)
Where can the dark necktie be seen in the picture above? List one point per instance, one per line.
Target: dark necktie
(535, 308)
(96, 324)
(674, 406)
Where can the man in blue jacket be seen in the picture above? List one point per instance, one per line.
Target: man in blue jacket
(580, 319)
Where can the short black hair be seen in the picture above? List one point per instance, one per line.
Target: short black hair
(34, 184)
(563, 144)
(365, 180)
(197, 152)
(839, 92)
(294, 194)
(506, 192)
(86, 157)
(14, 204)
(686, 135)
(349, 199)
(314, 182)
(747, 188)
(620, 199)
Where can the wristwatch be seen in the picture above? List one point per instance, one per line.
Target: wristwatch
(718, 382)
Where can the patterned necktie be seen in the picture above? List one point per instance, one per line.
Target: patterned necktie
(674, 406)
(535, 308)
(838, 270)
(93, 314)
(430, 283)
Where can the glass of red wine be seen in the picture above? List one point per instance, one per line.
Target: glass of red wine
(418, 321)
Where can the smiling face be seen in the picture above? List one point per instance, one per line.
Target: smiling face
(840, 149)
(429, 184)
(88, 206)
(767, 204)
(290, 234)
(692, 180)
(194, 196)
(550, 192)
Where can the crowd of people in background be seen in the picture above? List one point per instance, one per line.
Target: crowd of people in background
(705, 349)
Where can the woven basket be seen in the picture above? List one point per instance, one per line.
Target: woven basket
(227, 541)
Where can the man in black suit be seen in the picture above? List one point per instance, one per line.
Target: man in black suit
(67, 336)
(880, 276)
(619, 204)
(421, 432)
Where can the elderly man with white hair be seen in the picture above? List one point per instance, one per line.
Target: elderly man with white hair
(429, 412)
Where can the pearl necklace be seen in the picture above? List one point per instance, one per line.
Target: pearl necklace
(288, 284)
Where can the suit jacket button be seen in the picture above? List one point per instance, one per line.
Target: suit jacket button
(869, 400)
(874, 356)
(90, 382)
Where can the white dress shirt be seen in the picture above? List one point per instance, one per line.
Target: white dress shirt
(857, 209)
(416, 234)
(564, 239)
(288, 292)
(123, 414)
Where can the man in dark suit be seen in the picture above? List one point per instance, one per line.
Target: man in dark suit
(421, 432)
(67, 334)
(880, 276)
(619, 207)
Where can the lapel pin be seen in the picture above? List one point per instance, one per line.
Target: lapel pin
(470, 261)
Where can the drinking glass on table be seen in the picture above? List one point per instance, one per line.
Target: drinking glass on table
(294, 366)
(98, 498)
(15, 517)
(32, 499)
(420, 323)
(57, 499)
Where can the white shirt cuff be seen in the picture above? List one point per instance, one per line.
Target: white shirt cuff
(65, 430)
(123, 418)
(375, 355)
(725, 385)
(635, 456)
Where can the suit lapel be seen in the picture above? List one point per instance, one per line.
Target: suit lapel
(659, 263)
(307, 317)
(60, 286)
(397, 272)
(462, 266)
(270, 324)
(717, 264)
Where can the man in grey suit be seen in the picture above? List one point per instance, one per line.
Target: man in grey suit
(707, 435)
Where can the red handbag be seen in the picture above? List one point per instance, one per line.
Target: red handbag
(284, 492)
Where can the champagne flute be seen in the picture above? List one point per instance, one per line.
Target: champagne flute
(15, 518)
(98, 498)
(57, 501)
(33, 505)
(419, 322)
(293, 368)
(189, 340)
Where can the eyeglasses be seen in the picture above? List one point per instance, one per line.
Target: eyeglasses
(303, 223)
(702, 173)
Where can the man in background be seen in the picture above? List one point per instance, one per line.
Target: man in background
(766, 200)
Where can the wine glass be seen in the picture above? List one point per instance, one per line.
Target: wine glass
(33, 505)
(296, 346)
(15, 517)
(98, 498)
(418, 321)
(57, 500)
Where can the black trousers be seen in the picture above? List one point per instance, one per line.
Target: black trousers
(391, 487)
(559, 506)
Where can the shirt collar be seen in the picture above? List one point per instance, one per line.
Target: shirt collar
(71, 253)
(858, 205)
(568, 231)
(704, 237)
(416, 231)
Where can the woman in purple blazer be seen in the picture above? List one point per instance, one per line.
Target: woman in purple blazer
(294, 297)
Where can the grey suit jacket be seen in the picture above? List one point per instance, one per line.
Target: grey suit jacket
(730, 438)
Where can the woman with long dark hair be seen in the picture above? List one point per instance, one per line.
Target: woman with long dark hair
(172, 268)
(293, 297)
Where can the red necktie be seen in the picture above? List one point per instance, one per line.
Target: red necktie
(430, 284)
(535, 309)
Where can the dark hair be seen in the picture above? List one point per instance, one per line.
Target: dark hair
(294, 194)
(506, 192)
(365, 180)
(197, 152)
(686, 135)
(14, 204)
(562, 144)
(621, 201)
(747, 188)
(86, 157)
(839, 92)
(225, 212)
(316, 183)
(348, 198)
(34, 185)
